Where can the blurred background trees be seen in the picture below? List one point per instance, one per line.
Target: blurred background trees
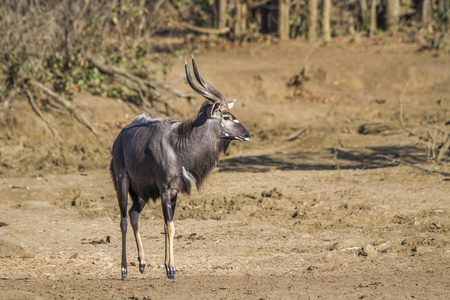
(113, 48)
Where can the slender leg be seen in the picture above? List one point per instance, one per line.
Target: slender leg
(166, 247)
(135, 210)
(170, 265)
(168, 206)
(122, 195)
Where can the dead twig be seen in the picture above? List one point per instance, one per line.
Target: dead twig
(444, 148)
(400, 108)
(402, 123)
(308, 55)
(8, 98)
(173, 90)
(435, 128)
(336, 162)
(413, 165)
(298, 133)
(67, 105)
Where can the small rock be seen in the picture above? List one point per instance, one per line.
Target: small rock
(384, 247)
(368, 250)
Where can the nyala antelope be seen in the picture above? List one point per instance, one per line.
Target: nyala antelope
(155, 158)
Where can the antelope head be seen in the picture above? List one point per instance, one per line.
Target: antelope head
(220, 111)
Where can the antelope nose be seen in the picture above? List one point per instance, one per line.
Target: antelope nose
(247, 136)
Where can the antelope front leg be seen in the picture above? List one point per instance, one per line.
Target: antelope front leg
(169, 232)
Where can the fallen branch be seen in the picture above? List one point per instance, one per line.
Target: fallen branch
(148, 103)
(376, 128)
(37, 111)
(146, 85)
(205, 30)
(413, 165)
(141, 86)
(67, 105)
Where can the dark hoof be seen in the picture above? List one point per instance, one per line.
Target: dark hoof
(141, 265)
(124, 273)
(170, 272)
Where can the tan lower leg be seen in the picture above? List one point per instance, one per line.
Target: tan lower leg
(171, 235)
(166, 235)
(137, 235)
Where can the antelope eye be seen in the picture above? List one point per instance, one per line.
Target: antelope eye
(226, 118)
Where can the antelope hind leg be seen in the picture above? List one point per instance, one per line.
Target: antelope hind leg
(122, 196)
(136, 208)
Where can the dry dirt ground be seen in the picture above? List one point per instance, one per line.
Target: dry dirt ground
(321, 216)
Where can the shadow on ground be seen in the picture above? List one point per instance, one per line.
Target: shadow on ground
(327, 159)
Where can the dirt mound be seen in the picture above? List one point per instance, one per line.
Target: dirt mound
(12, 250)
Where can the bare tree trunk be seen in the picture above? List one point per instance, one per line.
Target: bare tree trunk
(283, 19)
(426, 12)
(222, 13)
(373, 17)
(392, 14)
(312, 20)
(441, 5)
(447, 9)
(364, 13)
(351, 23)
(240, 28)
(326, 21)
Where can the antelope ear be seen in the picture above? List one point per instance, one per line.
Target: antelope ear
(214, 111)
(231, 104)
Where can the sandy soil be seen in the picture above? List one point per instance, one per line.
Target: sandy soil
(322, 216)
